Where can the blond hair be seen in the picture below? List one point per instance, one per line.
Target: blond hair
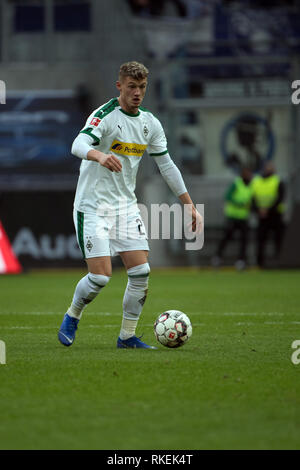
(134, 70)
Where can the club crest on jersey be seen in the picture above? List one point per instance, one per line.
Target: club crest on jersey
(128, 149)
(95, 121)
(146, 130)
(89, 245)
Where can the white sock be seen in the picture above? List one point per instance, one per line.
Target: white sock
(134, 299)
(86, 290)
(128, 328)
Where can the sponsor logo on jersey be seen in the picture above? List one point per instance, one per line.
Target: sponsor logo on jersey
(116, 147)
(95, 122)
(128, 149)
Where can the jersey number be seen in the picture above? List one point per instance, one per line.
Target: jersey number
(140, 225)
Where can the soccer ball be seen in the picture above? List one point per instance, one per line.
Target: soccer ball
(173, 328)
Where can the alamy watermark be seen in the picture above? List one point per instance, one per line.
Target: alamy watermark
(2, 92)
(295, 358)
(295, 97)
(2, 352)
(156, 222)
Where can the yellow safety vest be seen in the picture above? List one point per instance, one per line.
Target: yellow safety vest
(265, 191)
(239, 208)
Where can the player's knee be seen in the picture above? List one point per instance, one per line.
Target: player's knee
(98, 281)
(139, 275)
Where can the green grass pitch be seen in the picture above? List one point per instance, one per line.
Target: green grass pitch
(232, 386)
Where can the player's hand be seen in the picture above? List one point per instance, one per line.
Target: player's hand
(197, 223)
(110, 161)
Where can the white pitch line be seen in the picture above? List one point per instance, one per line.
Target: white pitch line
(282, 323)
(147, 325)
(105, 314)
(27, 327)
(108, 314)
(249, 323)
(51, 327)
(239, 314)
(28, 313)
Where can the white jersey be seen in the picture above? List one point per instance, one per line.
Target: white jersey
(127, 136)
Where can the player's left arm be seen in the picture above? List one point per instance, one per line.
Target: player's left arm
(157, 148)
(173, 177)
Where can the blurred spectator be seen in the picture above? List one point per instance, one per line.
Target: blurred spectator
(237, 208)
(158, 7)
(261, 3)
(196, 8)
(181, 8)
(268, 197)
(140, 7)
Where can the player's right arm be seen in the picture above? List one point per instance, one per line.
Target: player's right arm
(82, 148)
(89, 137)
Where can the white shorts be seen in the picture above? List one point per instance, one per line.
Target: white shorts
(109, 235)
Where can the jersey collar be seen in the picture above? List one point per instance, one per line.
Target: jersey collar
(130, 114)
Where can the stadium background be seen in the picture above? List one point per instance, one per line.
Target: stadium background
(220, 82)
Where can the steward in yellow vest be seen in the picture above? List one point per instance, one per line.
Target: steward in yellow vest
(268, 194)
(268, 202)
(238, 199)
(238, 202)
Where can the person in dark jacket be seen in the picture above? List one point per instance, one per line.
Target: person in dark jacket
(238, 200)
(268, 202)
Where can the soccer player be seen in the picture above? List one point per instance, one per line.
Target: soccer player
(106, 214)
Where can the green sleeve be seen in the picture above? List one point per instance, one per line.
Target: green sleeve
(89, 132)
